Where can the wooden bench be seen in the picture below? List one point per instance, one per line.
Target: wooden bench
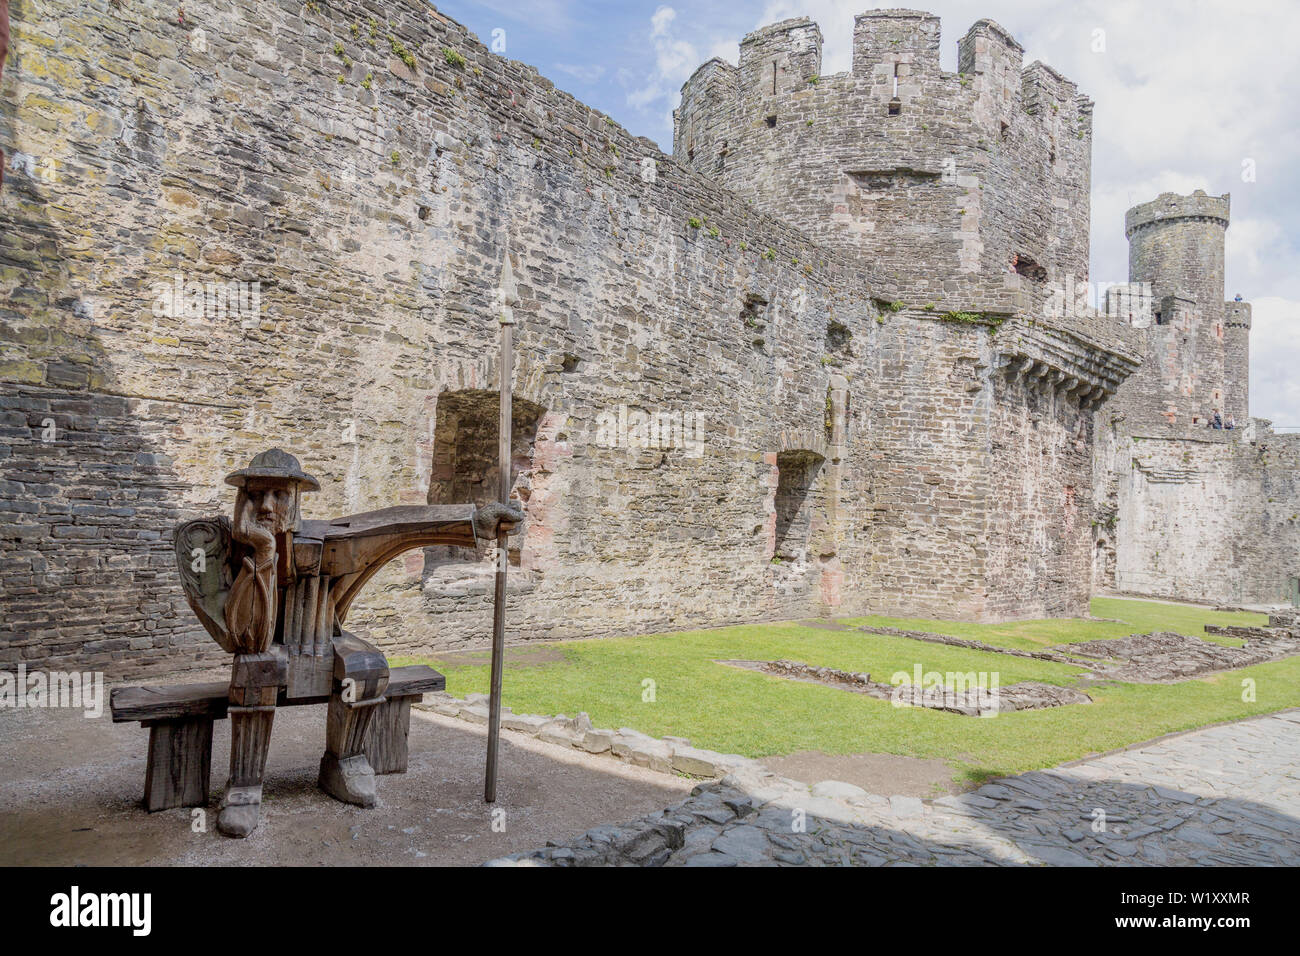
(180, 717)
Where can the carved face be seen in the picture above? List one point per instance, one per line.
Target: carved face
(273, 503)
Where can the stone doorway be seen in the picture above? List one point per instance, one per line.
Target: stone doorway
(465, 459)
(797, 498)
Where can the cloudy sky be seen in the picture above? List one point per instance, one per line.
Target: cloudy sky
(1194, 94)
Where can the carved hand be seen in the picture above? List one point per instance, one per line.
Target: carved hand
(494, 517)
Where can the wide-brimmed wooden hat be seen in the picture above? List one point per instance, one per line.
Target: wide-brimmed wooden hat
(274, 463)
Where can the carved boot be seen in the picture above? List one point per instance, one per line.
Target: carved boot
(254, 683)
(345, 772)
(250, 739)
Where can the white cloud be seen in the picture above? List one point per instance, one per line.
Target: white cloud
(586, 74)
(1274, 359)
(661, 20)
(675, 59)
(1253, 243)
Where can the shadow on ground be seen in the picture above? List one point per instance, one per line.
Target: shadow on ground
(1225, 795)
(725, 825)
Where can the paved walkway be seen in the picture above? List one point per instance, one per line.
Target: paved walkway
(1223, 796)
(70, 791)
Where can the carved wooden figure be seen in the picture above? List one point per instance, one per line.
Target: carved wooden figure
(274, 590)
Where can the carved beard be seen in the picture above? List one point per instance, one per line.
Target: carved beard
(283, 517)
(277, 523)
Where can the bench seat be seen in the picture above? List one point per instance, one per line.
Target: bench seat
(170, 702)
(180, 719)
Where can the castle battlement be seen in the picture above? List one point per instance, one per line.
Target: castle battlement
(1171, 206)
(961, 189)
(1237, 314)
(786, 56)
(883, 38)
(780, 57)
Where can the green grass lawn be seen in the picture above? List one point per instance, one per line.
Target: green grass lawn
(738, 711)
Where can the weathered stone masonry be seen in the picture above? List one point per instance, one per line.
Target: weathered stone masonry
(1187, 510)
(369, 165)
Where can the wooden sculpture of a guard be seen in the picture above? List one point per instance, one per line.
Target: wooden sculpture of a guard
(274, 590)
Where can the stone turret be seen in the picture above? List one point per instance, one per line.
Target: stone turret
(1177, 244)
(1236, 361)
(1197, 345)
(964, 190)
(1185, 510)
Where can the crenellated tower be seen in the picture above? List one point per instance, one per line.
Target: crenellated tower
(967, 190)
(1197, 345)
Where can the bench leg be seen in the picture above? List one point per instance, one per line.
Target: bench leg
(386, 745)
(180, 763)
(250, 739)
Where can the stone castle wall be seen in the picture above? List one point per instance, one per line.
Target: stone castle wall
(369, 165)
(1211, 518)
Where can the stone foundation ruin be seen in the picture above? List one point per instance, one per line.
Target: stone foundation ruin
(965, 695)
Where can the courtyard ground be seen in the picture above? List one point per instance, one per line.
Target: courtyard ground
(70, 790)
(855, 765)
(672, 684)
(1223, 796)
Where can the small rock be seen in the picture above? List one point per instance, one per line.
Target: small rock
(906, 806)
(838, 790)
(696, 762)
(525, 723)
(558, 732)
(747, 844)
(711, 859)
(654, 755)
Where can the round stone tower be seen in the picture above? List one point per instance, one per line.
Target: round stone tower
(1176, 246)
(1176, 243)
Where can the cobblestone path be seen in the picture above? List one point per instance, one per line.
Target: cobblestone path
(1221, 796)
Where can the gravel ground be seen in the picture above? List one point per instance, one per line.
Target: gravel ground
(70, 791)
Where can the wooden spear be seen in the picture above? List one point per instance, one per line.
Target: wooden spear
(507, 317)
